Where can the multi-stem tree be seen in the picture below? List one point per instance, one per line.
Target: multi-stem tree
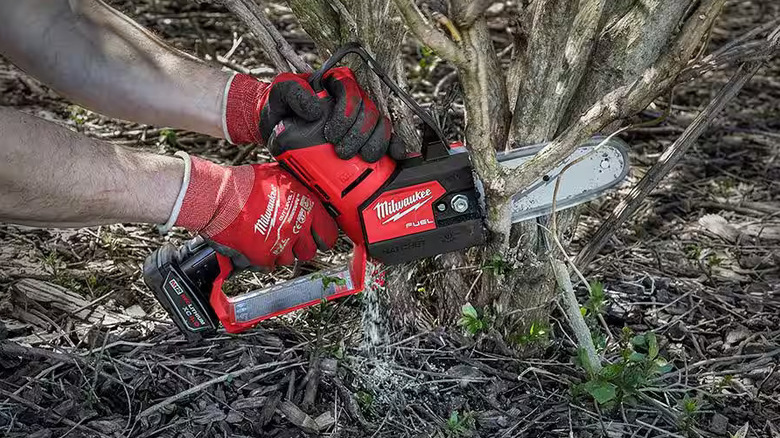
(574, 68)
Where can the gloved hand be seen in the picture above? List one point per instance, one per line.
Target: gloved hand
(254, 108)
(355, 125)
(257, 214)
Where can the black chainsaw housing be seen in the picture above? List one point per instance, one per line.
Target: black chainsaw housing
(454, 230)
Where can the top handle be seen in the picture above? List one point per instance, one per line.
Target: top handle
(431, 150)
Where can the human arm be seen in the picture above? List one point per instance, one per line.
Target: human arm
(52, 176)
(106, 62)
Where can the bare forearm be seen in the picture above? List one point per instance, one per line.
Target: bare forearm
(51, 176)
(104, 61)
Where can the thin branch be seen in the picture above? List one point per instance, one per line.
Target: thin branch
(740, 50)
(572, 308)
(472, 11)
(278, 50)
(746, 37)
(276, 367)
(282, 45)
(428, 34)
(665, 163)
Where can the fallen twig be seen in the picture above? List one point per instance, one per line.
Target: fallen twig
(45, 412)
(277, 366)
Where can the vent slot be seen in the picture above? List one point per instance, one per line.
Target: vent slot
(298, 169)
(357, 181)
(321, 192)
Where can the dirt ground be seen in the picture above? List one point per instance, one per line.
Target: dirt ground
(697, 266)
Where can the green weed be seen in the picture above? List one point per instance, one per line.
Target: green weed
(497, 266)
(77, 114)
(471, 321)
(428, 59)
(620, 382)
(714, 260)
(459, 425)
(693, 251)
(168, 137)
(597, 299)
(539, 332)
(328, 280)
(690, 410)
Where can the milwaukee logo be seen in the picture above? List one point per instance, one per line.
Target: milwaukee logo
(268, 219)
(398, 209)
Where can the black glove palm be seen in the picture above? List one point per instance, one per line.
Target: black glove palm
(355, 124)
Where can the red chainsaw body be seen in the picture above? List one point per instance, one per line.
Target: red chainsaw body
(341, 185)
(393, 212)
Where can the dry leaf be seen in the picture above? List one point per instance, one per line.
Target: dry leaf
(743, 431)
(719, 226)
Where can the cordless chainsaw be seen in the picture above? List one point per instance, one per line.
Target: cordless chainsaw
(393, 212)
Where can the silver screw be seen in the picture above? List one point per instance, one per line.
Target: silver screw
(460, 203)
(441, 207)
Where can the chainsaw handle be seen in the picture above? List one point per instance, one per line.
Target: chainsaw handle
(243, 312)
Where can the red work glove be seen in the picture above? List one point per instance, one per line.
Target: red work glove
(257, 214)
(254, 108)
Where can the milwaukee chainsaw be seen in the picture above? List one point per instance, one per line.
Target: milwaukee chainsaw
(393, 212)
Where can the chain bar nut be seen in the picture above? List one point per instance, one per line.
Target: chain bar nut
(460, 203)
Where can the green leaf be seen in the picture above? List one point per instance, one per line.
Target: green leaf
(663, 366)
(474, 326)
(470, 319)
(652, 345)
(639, 341)
(583, 311)
(602, 392)
(469, 311)
(637, 357)
(610, 372)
